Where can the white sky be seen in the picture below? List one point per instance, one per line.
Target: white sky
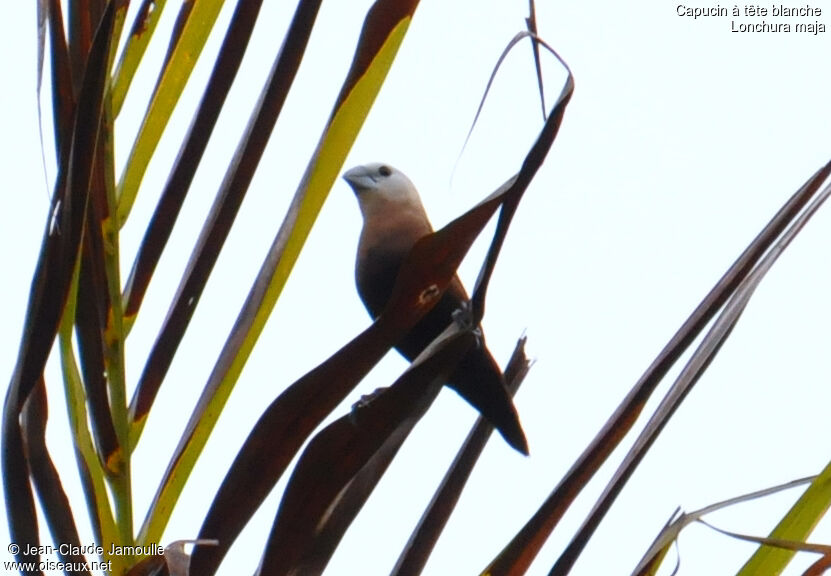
(682, 139)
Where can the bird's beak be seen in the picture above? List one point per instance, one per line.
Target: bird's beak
(359, 178)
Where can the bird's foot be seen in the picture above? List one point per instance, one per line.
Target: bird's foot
(463, 316)
(363, 402)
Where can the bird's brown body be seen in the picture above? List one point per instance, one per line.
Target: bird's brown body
(394, 219)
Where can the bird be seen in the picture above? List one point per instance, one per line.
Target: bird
(394, 219)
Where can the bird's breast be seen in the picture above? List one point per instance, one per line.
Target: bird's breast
(384, 245)
(375, 274)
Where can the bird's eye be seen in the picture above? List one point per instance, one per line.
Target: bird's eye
(384, 170)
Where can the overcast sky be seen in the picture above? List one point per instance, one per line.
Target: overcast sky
(682, 140)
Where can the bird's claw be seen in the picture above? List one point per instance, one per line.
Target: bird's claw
(363, 402)
(463, 316)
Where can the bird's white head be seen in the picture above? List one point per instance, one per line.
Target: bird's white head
(380, 187)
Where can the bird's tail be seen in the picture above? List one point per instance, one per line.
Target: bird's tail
(479, 380)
